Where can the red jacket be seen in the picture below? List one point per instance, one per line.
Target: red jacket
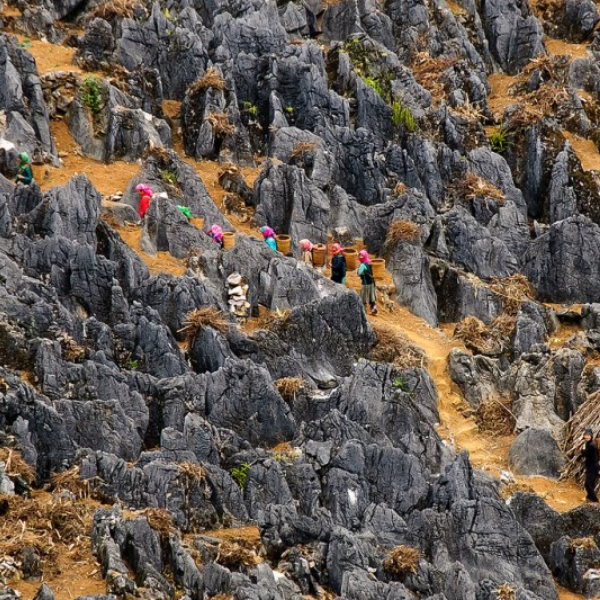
(144, 205)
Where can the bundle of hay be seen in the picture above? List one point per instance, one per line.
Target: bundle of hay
(234, 555)
(477, 337)
(473, 186)
(288, 387)
(402, 560)
(199, 319)
(401, 231)
(301, 149)
(211, 79)
(220, 123)
(506, 592)
(512, 291)
(395, 349)
(572, 442)
(495, 417)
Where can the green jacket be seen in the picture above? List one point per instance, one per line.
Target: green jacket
(24, 174)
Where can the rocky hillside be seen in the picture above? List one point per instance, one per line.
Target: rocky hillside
(153, 444)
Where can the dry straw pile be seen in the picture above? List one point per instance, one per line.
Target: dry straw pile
(402, 560)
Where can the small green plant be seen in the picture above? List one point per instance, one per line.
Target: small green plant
(400, 384)
(134, 364)
(240, 474)
(403, 116)
(91, 96)
(289, 110)
(500, 141)
(375, 85)
(169, 176)
(250, 108)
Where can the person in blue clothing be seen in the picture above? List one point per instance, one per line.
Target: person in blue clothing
(338, 264)
(368, 291)
(24, 172)
(269, 236)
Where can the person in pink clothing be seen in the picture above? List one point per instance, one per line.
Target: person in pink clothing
(368, 291)
(306, 250)
(145, 192)
(216, 233)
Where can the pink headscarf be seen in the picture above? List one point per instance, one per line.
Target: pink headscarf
(267, 232)
(335, 249)
(363, 257)
(305, 245)
(216, 229)
(144, 189)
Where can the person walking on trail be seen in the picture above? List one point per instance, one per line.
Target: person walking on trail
(589, 453)
(24, 171)
(216, 233)
(338, 264)
(306, 250)
(269, 236)
(145, 192)
(368, 291)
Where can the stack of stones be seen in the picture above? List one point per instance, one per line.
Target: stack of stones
(238, 304)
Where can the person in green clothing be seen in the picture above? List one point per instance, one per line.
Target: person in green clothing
(24, 172)
(368, 291)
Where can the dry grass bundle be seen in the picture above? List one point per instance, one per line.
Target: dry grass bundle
(15, 465)
(402, 560)
(71, 350)
(288, 387)
(234, 555)
(120, 9)
(502, 327)
(272, 320)
(401, 230)
(161, 155)
(584, 543)
(548, 98)
(495, 416)
(228, 171)
(473, 186)
(211, 79)
(512, 291)
(546, 64)
(427, 71)
(588, 415)
(399, 189)
(393, 348)
(42, 523)
(302, 148)
(220, 123)
(223, 597)
(160, 520)
(506, 592)
(199, 319)
(71, 481)
(471, 329)
(193, 472)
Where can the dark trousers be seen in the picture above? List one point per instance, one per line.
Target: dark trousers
(591, 479)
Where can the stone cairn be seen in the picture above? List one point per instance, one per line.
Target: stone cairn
(238, 288)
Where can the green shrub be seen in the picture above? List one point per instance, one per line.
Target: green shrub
(403, 116)
(250, 108)
(91, 95)
(169, 176)
(374, 84)
(240, 474)
(399, 383)
(500, 140)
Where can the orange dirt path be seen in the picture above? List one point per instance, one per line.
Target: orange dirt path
(107, 179)
(586, 151)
